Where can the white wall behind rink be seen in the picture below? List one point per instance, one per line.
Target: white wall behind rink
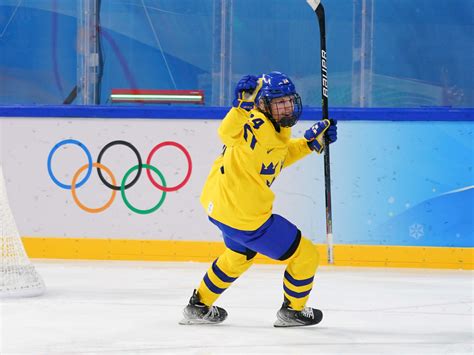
(43, 209)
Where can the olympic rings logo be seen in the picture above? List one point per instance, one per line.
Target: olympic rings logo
(123, 185)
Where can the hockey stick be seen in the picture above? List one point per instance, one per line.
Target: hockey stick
(319, 10)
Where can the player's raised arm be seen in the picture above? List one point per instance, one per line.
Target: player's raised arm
(232, 126)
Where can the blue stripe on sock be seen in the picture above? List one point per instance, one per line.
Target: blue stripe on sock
(296, 294)
(211, 286)
(220, 274)
(296, 282)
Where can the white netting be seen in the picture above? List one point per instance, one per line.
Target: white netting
(18, 276)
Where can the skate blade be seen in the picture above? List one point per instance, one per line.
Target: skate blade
(282, 324)
(196, 322)
(185, 322)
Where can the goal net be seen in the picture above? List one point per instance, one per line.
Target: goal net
(18, 277)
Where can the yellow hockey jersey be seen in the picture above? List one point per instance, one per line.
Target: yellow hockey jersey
(237, 191)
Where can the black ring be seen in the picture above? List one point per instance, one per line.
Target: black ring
(139, 158)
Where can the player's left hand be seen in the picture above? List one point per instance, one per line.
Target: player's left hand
(315, 135)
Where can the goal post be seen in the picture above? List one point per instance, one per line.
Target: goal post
(18, 276)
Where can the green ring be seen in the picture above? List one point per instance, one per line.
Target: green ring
(122, 189)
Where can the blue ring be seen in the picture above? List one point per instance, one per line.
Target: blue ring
(89, 158)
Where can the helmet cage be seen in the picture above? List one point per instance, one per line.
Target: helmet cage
(284, 120)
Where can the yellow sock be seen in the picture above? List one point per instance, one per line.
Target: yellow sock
(223, 271)
(299, 274)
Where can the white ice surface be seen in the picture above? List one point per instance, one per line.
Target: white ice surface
(134, 308)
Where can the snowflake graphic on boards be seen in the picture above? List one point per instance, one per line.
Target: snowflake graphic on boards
(416, 231)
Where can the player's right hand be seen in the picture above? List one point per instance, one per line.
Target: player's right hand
(244, 92)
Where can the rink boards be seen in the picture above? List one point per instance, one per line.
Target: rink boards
(402, 191)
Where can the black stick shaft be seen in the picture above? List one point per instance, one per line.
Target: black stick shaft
(324, 95)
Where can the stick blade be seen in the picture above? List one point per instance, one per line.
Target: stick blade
(313, 3)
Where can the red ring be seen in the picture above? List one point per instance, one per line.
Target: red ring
(190, 166)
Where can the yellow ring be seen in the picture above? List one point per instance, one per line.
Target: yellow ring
(76, 199)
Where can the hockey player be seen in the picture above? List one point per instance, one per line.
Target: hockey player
(237, 197)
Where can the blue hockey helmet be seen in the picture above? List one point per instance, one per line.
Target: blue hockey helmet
(276, 85)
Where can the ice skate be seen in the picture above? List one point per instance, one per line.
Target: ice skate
(197, 312)
(288, 317)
